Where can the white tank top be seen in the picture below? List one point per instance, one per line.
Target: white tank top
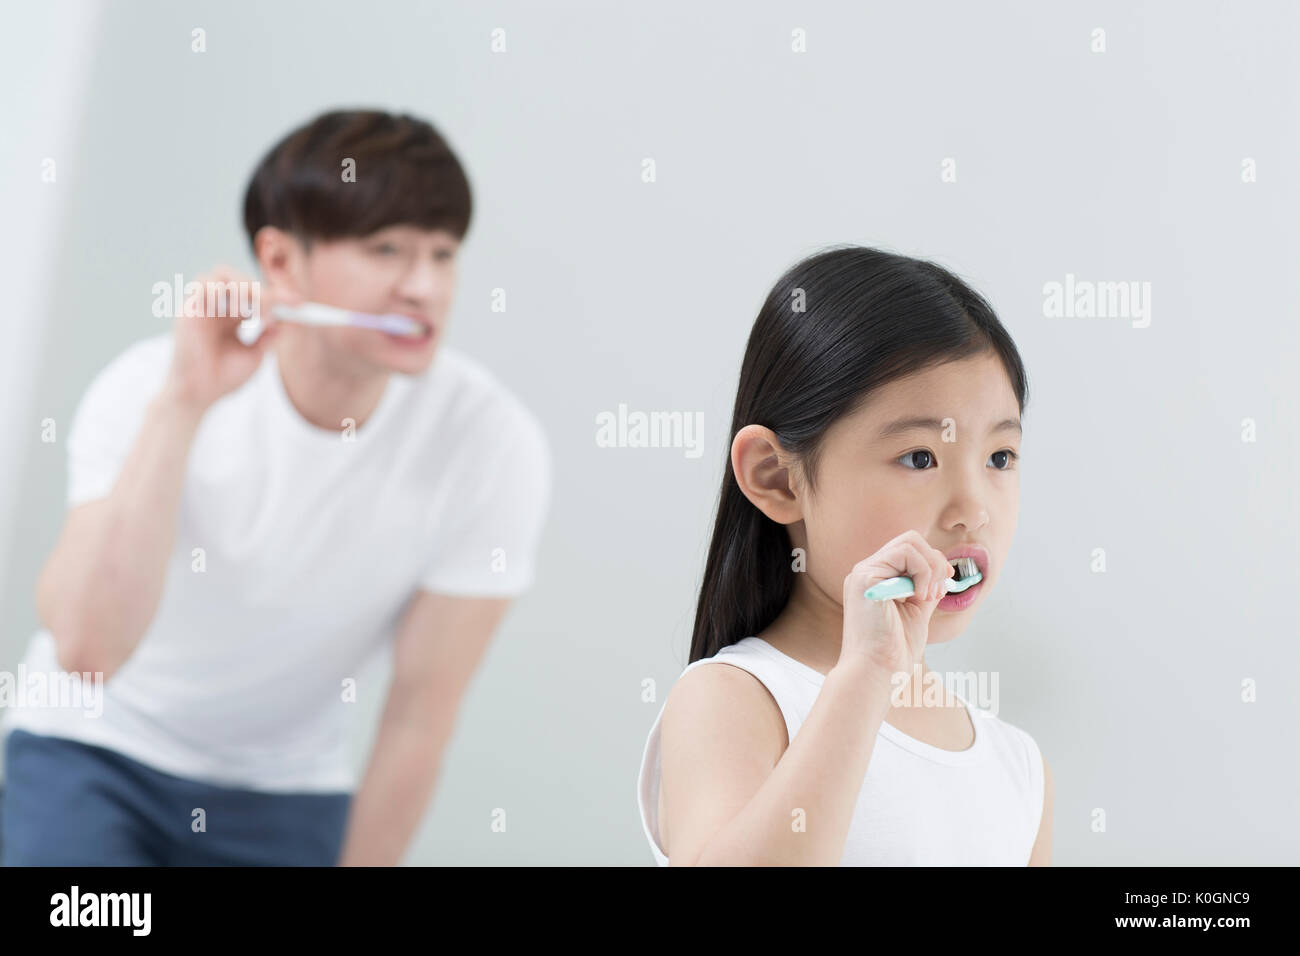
(919, 805)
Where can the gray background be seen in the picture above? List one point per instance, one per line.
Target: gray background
(1116, 166)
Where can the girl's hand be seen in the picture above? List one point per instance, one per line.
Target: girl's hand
(890, 636)
(208, 360)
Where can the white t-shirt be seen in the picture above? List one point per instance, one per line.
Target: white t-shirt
(919, 805)
(296, 553)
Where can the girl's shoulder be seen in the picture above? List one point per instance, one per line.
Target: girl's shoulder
(757, 686)
(717, 725)
(707, 691)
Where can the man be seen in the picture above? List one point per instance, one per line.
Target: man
(248, 525)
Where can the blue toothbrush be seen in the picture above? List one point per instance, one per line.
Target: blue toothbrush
(967, 572)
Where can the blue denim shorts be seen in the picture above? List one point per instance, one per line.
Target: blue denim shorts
(66, 803)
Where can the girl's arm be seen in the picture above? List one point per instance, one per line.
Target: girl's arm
(732, 798)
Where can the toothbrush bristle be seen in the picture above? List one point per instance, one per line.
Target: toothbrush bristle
(964, 567)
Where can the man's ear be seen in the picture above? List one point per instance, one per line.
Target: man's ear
(282, 260)
(766, 474)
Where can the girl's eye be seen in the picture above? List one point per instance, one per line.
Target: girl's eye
(385, 248)
(444, 254)
(921, 460)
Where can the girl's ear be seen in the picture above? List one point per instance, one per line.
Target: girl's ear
(765, 474)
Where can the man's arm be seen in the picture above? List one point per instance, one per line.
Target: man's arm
(100, 587)
(439, 644)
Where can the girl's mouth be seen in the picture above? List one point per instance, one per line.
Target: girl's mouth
(961, 600)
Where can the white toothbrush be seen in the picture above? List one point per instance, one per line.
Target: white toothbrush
(315, 313)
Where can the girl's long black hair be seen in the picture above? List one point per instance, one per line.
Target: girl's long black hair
(834, 328)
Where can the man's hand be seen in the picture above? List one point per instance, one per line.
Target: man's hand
(208, 359)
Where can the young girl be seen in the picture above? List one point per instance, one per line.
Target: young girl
(876, 434)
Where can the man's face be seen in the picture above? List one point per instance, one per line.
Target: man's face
(399, 269)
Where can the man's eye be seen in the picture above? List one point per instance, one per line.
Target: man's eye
(1008, 459)
(923, 456)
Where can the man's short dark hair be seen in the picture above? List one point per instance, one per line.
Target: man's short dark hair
(405, 174)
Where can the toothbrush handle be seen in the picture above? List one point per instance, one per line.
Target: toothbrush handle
(314, 313)
(249, 331)
(311, 314)
(889, 588)
(903, 587)
(397, 324)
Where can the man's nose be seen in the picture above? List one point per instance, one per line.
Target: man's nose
(424, 283)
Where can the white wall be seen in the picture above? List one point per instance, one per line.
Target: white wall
(47, 50)
(1123, 165)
